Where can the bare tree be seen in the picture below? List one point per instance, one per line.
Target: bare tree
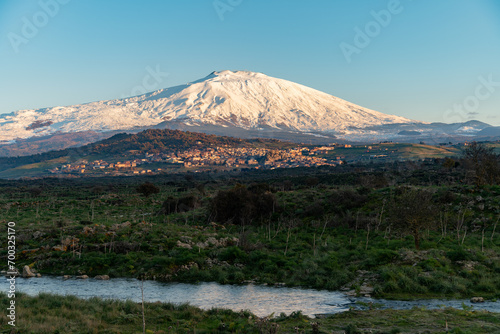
(482, 163)
(412, 212)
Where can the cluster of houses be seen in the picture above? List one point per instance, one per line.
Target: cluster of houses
(195, 159)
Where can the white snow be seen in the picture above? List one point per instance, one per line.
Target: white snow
(239, 98)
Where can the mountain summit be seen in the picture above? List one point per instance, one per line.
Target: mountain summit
(227, 99)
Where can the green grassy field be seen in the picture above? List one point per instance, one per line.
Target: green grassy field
(319, 234)
(56, 314)
(394, 152)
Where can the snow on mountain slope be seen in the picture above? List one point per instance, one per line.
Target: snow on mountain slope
(238, 99)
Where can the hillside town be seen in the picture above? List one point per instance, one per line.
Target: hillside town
(201, 159)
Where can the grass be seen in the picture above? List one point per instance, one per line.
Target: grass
(49, 313)
(319, 239)
(330, 229)
(396, 151)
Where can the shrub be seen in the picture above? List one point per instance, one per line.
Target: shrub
(412, 211)
(344, 200)
(146, 189)
(458, 254)
(240, 205)
(183, 204)
(232, 253)
(482, 163)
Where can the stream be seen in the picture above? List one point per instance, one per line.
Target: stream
(259, 299)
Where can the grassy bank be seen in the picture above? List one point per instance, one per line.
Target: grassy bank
(56, 314)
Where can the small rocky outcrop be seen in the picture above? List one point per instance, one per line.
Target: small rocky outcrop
(213, 242)
(59, 248)
(216, 263)
(468, 265)
(189, 266)
(102, 277)
(183, 245)
(82, 277)
(87, 230)
(364, 282)
(38, 234)
(477, 300)
(27, 272)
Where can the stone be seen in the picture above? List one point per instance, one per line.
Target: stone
(82, 277)
(366, 290)
(201, 245)
(38, 275)
(468, 265)
(351, 293)
(185, 239)
(27, 272)
(116, 227)
(189, 266)
(38, 234)
(66, 276)
(70, 241)
(102, 277)
(477, 300)
(183, 245)
(88, 230)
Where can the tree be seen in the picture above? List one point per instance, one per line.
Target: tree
(242, 205)
(449, 163)
(412, 212)
(147, 189)
(482, 163)
(183, 204)
(35, 191)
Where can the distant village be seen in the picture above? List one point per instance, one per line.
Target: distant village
(197, 160)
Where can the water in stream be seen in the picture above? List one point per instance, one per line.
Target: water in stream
(260, 300)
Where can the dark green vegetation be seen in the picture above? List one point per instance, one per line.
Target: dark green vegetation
(414, 229)
(55, 314)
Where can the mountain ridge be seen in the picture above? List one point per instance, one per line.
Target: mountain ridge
(240, 104)
(243, 99)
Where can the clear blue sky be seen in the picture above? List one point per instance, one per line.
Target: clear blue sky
(428, 58)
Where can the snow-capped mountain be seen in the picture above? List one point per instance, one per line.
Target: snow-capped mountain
(239, 99)
(233, 103)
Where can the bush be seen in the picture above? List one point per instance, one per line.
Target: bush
(458, 254)
(240, 205)
(344, 200)
(380, 257)
(183, 204)
(482, 164)
(146, 189)
(232, 253)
